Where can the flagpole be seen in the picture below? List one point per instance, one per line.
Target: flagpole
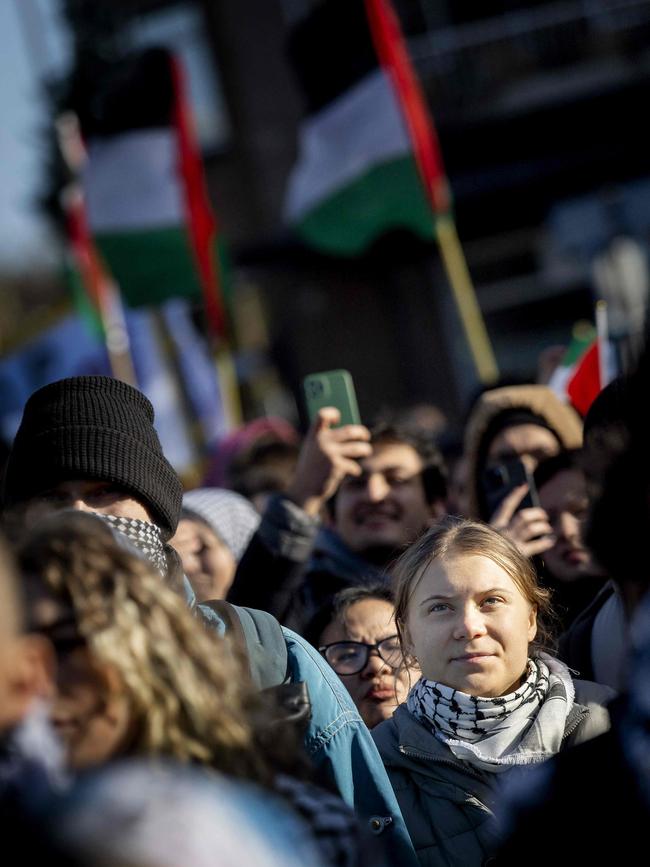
(193, 428)
(602, 331)
(393, 55)
(228, 385)
(455, 265)
(104, 292)
(203, 234)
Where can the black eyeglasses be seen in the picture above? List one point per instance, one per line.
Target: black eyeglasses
(351, 657)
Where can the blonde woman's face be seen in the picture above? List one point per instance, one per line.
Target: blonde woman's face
(470, 626)
(90, 712)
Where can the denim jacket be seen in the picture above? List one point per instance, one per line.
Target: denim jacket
(341, 747)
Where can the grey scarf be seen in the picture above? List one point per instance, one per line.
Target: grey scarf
(524, 727)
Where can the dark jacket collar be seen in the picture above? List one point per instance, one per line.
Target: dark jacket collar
(332, 555)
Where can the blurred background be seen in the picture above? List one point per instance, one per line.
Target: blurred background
(537, 106)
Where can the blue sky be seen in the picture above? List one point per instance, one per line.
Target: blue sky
(24, 240)
(33, 44)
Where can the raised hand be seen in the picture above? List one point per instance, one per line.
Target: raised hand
(529, 529)
(327, 456)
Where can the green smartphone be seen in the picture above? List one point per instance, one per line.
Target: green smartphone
(332, 388)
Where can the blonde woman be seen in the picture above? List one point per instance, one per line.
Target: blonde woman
(137, 673)
(469, 609)
(139, 676)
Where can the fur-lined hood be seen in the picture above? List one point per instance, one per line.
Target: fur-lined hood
(561, 418)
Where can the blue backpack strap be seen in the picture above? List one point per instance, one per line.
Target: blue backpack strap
(259, 636)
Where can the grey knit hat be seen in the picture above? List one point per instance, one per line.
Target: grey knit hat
(92, 427)
(229, 515)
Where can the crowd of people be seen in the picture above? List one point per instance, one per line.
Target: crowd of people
(365, 647)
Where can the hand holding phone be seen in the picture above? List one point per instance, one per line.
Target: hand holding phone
(331, 449)
(500, 479)
(510, 488)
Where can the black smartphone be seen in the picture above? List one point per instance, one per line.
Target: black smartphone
(500, 479)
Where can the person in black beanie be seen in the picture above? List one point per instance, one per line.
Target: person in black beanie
(89, 443)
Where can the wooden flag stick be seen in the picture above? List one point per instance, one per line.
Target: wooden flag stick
(602, 331)
(392, 52)
(228, 385)
(455, 264)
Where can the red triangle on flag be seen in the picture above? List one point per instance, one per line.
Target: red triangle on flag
(584, 386)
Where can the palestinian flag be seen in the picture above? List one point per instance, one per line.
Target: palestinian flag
(585, 369)
(357, 175)
(143, 184)
(86, 276)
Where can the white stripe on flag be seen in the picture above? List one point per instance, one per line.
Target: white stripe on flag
(560, 379)
(362, 128)
(131, 181)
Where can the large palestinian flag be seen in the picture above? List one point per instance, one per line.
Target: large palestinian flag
(356, 176)
(144, 192)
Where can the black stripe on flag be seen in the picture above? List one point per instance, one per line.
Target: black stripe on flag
(135, 93)
(331, 50)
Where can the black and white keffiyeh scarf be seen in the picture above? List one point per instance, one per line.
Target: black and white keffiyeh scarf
(523, 727)
(145, 537)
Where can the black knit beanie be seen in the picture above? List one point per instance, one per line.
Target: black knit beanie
(93, 427)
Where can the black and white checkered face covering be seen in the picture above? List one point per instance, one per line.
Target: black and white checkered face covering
(146, 537)
(523, 727)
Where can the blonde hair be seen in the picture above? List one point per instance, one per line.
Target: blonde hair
(460, 536)
(186, 688)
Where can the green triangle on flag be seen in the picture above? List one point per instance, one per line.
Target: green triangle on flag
(82, 302)
(582, 336)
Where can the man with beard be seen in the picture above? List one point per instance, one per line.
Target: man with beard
(358, 498)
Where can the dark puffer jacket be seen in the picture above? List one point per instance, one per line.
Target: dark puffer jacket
(449, 806)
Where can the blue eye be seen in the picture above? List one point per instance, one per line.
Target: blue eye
(492, 600)
(438, 606)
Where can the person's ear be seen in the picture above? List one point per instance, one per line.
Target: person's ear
(407, 645)
(532, 623)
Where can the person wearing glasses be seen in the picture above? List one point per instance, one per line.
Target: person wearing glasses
(357, 636)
